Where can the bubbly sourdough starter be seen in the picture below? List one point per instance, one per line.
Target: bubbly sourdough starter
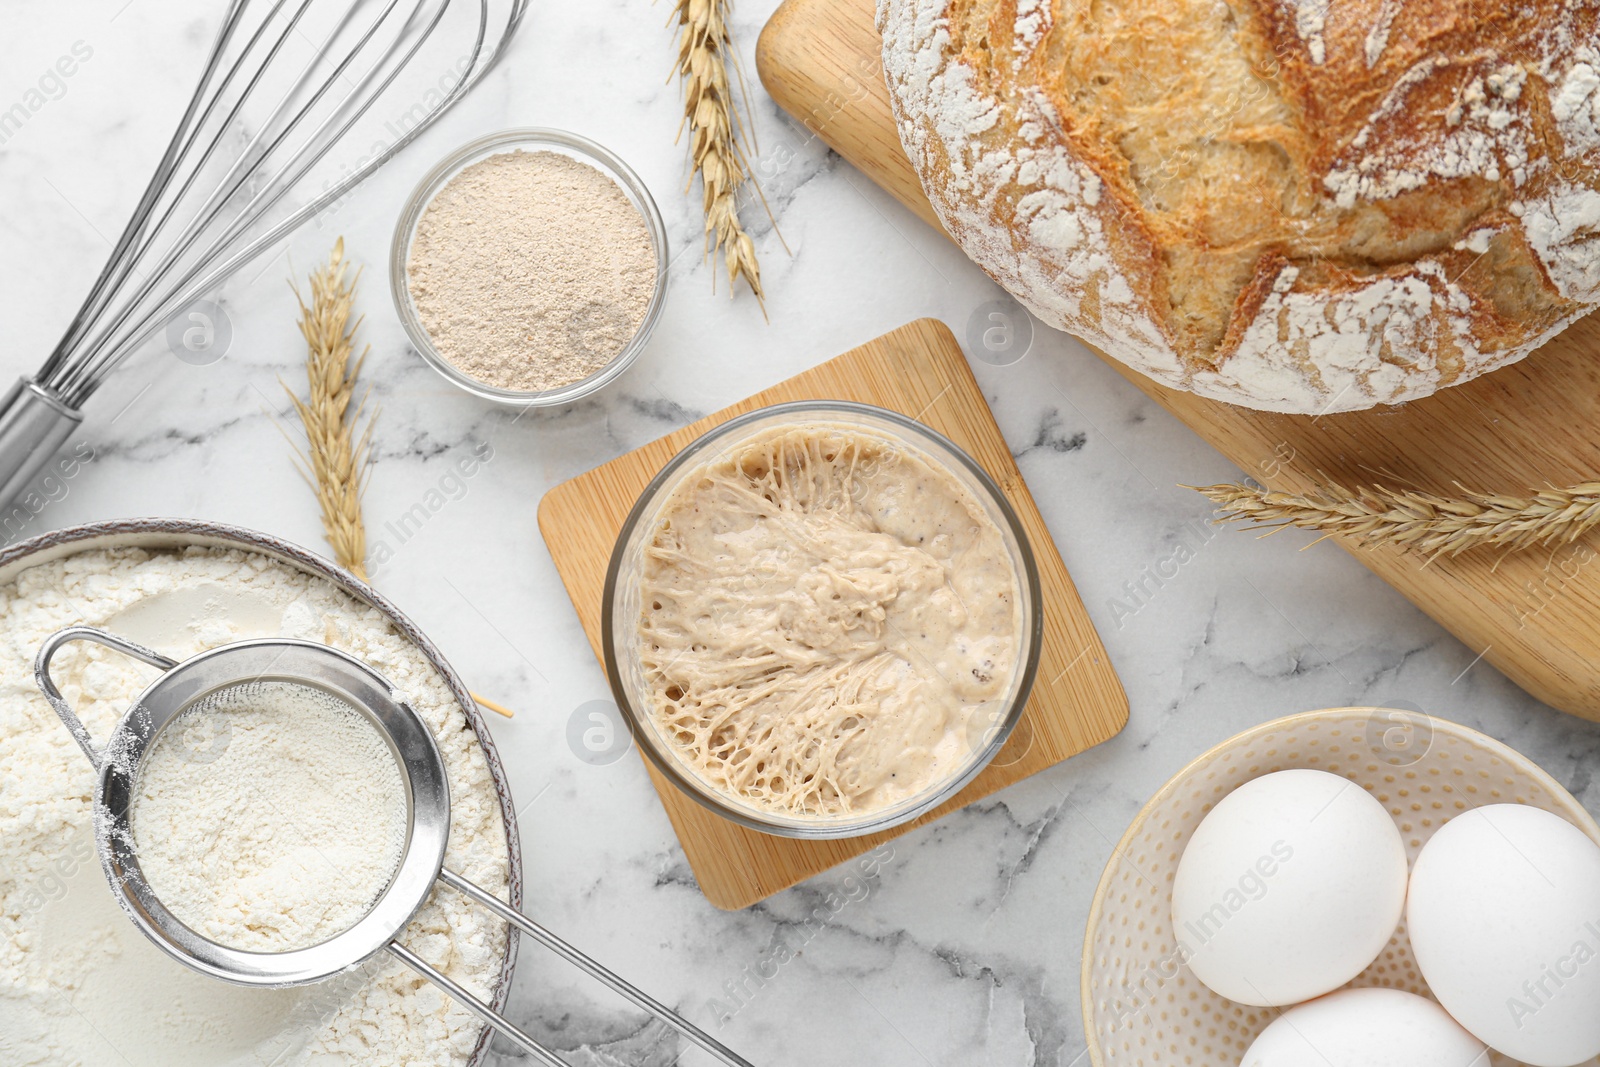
(828, 619)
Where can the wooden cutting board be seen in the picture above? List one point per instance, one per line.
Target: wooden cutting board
(917, 370)
(1535, 614)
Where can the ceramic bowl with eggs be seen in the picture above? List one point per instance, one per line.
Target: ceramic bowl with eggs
(1144, 1002)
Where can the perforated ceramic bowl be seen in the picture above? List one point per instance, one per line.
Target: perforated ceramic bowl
(1141, 1006)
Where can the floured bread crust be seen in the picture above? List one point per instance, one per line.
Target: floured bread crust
(1294, 205)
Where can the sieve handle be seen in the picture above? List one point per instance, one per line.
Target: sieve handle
(41, 674)
(593, 969)
(483, 1011)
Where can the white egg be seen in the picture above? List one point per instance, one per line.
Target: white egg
(1504, 916)
(1288, 889)
(1366, 1028)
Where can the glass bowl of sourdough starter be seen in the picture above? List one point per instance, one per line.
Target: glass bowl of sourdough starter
(586, 325)
(868, 730)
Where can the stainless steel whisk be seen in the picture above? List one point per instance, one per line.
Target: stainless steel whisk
(290, 91)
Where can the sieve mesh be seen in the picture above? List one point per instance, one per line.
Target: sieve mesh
(269, 815)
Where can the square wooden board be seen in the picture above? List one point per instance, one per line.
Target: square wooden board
(918, 370)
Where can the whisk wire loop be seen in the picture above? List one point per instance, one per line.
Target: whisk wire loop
(287, 89)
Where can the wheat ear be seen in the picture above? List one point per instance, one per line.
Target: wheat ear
(335, 462)
(709, 111)
(1426, 522)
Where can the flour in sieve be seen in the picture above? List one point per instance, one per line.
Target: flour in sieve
(531, 270)
(269, 817)
(79, 985)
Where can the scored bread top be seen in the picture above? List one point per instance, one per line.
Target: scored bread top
(1294, 205)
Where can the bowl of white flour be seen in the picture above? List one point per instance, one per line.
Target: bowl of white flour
(78, 982)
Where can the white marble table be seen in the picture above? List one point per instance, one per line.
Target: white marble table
(963, 948)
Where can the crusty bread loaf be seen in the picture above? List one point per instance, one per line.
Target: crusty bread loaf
(1295, 205)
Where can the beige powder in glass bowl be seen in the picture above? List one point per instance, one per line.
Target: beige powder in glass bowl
(529, 267)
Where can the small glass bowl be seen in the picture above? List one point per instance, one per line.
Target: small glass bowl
(621, 611)
(529, 139)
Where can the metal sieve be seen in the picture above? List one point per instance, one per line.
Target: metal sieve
(195, 681)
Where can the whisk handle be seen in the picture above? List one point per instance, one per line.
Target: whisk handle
(34, 423)
(594, 970)
(52, 692)
(478, 1007)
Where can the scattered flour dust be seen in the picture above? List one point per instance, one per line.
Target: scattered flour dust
(79, 985)
(269, 817)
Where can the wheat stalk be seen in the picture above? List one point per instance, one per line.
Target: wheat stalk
(335, 462)
(1426, 522)
(715, 132)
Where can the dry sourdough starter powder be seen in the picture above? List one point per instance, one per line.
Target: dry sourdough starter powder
(269, 817)
(531, 270)
(79, 985)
